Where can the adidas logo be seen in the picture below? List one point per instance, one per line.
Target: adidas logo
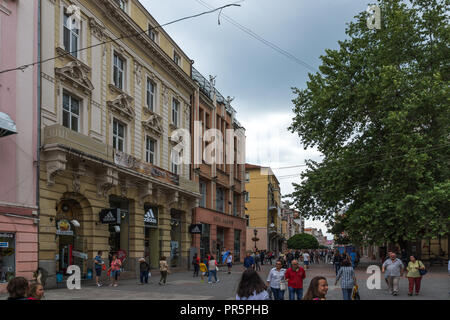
(109, 217)
(196, 229)
(150, 217)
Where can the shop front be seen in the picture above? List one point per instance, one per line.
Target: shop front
(151, 236)
(18, 244)
(219, 232)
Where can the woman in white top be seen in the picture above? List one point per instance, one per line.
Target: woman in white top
(212, 269)
(252, 287)
(276, 281)
(229, 262)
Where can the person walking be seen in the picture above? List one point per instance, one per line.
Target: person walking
(295, 276)
(212, 270)
(348, 279)
(196, 263)
(249, 262)
(251, 287)
(262, 256)
(317, 290)
(116, 264)
(337, 261)
(289, 258)
(257, 261)
(276, 281)
(144, 269)
(306, 260)
(203, 269)
(229, 262)
(164, 269)
(413, 275)
(99, 264)
(36, 292)
(393, 268)
(18, 288)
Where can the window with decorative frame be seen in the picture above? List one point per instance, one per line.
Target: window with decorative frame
(119, 135)
(71, 33)
(175, 112)
(151, 95)
(119, 65)
(150, 150)
(71, 111)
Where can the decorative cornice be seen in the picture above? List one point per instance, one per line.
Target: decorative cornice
(154, 124)
(77, 73)
(122, 105)
(97, 29)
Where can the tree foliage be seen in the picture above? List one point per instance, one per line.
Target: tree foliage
(379, 112)
(303, 241)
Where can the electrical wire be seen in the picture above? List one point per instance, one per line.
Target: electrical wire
(23, 67)
(262, 40)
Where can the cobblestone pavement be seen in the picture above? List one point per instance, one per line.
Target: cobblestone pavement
(182, 286)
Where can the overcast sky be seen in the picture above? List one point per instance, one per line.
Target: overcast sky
(258, 77)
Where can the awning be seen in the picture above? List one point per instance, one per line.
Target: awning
(7, 126)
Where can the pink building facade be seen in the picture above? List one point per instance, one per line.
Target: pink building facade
(18, 151)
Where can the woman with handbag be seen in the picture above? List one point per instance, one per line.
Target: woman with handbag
(276, 281)
(416, 269)
(116, 264)
(212, 269)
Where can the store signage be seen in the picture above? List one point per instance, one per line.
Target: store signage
(6, 235)
(150, 217)
(4, 245)
(196, 228)
(64, 228)
(79, 255)
(110, 216)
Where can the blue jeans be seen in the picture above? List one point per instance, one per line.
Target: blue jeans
(211, 274)
(347, 293)
(293, 291)
(144, 276)
(277, 294)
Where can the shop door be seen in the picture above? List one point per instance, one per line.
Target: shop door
(220, 243)
(65, 252)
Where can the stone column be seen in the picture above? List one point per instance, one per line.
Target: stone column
(164, 231)
(136, 245)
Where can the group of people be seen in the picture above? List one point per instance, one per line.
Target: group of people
(208, 266)
(20, 288)
(115, 268)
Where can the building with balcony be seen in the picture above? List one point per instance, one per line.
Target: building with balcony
(219, 172)
(263, 209)
(110, 178)
(294, 223)
(18, 141)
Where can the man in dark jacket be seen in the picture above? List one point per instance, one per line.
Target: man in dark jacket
(144, 268)
(249, 262)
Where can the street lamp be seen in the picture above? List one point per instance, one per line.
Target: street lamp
(255, 239)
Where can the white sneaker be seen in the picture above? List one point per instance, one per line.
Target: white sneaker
(99, 284)
(218, 281)
(209, 282)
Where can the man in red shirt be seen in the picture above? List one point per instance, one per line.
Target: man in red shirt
(294, 277)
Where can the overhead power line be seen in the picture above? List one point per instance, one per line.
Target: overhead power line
(25, 66)
(262, 40)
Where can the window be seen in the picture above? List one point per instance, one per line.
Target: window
(71, 35)
(247, 217)
(175, 159)
(175, 111)
(150, 150)
(235, 205)
(247, 197)
(119, 71)
(7, 257)
(247, 176)
(203, 193)
(118, 136)
(122, 5)
(151, 95)
(237, 245)
(71, 112)
(220, 200)
(152, 33)
(177, 58)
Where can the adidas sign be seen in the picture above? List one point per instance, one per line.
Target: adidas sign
(150, 217)
(109, 217)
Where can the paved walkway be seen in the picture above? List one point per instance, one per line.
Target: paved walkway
(182, 286)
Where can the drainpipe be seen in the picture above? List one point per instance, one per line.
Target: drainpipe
(38, 151)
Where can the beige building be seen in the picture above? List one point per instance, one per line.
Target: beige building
(107, 179)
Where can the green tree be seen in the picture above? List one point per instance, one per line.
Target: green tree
(303, 241)
(379, 112)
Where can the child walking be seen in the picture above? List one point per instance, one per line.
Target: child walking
(203, 269)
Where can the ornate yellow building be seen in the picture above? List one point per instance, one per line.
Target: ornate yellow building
(263, 210)
(107, 181)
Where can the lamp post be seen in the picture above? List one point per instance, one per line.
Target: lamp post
(255, 239)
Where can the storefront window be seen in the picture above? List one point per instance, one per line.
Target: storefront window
(7, 257)
(237, 245)
(204, 240)
(175, 239)
(119, 234)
